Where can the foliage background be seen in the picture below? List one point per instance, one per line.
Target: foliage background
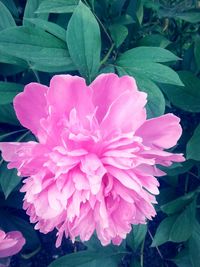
(158, 43)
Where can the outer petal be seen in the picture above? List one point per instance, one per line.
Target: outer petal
(68, 92)
(163, 131)
(11, 244)
(28, 157)
(107, 87)
(30, 106)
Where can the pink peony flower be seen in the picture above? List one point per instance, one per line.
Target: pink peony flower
(94, 164)
(10, 243)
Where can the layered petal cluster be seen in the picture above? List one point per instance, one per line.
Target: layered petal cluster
(10, 243)
(93, 167)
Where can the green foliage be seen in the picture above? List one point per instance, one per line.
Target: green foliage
(157, 43)
(193, 148)
(84, 41)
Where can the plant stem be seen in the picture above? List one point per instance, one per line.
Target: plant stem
(142, 254)
(158, 250)
(107, 55)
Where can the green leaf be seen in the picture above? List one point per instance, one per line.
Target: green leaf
(8, 179)
(194, 246)
(83, 257)
(5, 58)
(36, 46)
(148, 67)
(185, 97)
(50, 27)
(193, 147)
(197, 51)
(29, 12)
(8, 115)
(84, 41)
(178, 204)
(8, 91)
(177, 168)
(192, 17)
(136, 236)
(183, 259)
(118, 33)
(156, 101)
(57, 6)
(176, 228)
(11, 6)
(154, 40)
(147, 55)
(6, 19)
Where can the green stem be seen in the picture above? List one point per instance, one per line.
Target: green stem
(158, 250)
(142, 254)
(186, 183)
(107, 55)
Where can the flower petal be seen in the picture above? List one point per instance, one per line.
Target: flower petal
(68, 92)
(30, 106)
(163, 131)
(106, 88)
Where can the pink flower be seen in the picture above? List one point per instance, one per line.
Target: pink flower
(94, 164)
(10, 243)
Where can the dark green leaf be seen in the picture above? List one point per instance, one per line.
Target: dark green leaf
(84, 41)
(192, 17)
(8, 115)
(183, 259)
(11, 6)
(8, 179)
(178, 168)
(6, 19)
(193, 147)
(8, 91)
(57, 6)
(197, 52)
(185, 97)
(136, 236)
(156, 101)
(118, 34)
(176, 228)
(154, 40)
(194, 246)
(83, 257)
(178, 204)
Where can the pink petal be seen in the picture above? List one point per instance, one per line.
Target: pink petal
(68, 92)
(125, 114)
(30, 106)
(11, 244)
(163, 131)
(107, 87)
